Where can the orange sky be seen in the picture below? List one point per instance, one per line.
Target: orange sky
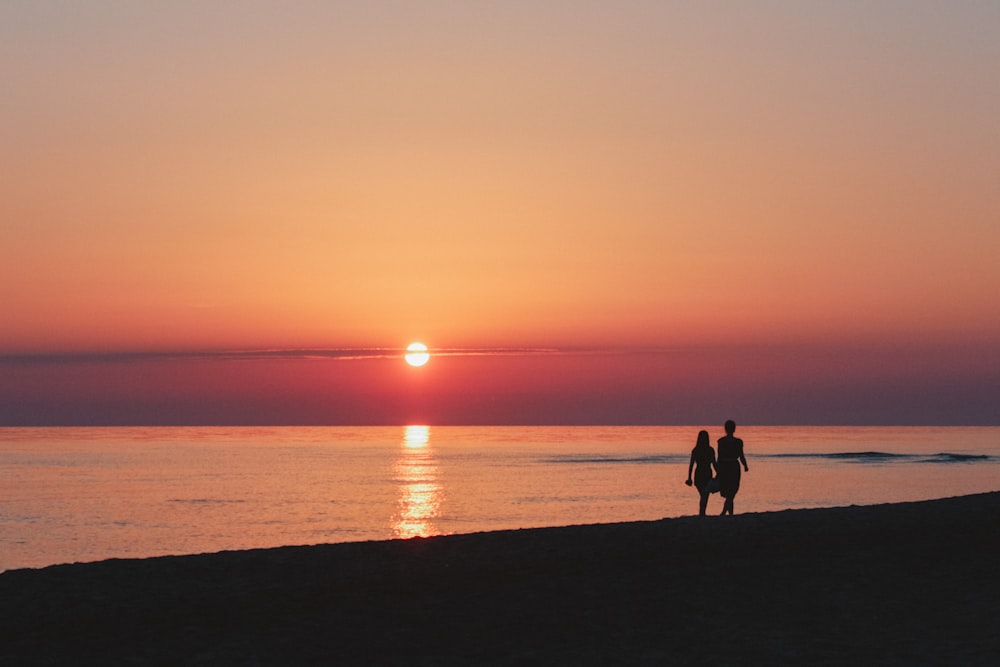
(616, 175)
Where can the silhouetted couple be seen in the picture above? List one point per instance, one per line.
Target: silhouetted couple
(727, 468)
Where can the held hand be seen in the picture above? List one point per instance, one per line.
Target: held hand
(688, 482)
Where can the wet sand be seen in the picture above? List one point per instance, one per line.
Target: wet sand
(911, 583)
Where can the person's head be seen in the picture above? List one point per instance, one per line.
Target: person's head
(703, 439)
(730, 427)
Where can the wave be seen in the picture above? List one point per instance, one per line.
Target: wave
(580, 499)
(945, 457)
(886, 457)
(867, 457)
(872, 457)
(592, 458)
(207, 501)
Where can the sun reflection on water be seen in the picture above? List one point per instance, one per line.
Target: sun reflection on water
(420, 494)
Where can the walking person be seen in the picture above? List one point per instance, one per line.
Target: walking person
(728, 466)
(702, 462)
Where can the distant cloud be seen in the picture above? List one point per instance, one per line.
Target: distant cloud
(345, 354)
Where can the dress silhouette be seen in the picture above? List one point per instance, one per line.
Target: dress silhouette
(730, 457)
(702, 461)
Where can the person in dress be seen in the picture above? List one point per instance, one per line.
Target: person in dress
(728, 466)
(702, 463)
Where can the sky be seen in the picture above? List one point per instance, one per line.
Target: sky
(591, 212)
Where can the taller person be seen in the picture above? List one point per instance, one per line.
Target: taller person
(730, 451)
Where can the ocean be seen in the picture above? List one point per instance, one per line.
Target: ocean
(85, 494)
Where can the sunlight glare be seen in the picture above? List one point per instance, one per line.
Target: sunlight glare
(420, 491)
(415, 436)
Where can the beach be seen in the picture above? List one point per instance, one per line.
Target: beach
(907, 583)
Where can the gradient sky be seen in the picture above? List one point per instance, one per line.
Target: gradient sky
(661, 212)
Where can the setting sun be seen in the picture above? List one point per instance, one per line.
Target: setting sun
(416, 354)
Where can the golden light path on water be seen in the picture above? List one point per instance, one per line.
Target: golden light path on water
(420, 494)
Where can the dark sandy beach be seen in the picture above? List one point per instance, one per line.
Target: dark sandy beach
(912, 583)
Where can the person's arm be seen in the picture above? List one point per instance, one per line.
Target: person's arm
(743, 460)
(690, 468)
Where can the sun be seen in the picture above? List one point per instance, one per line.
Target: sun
(416, 354)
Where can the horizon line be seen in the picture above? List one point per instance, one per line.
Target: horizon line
(334, 353)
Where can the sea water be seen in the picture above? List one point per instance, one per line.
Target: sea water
(88, 494)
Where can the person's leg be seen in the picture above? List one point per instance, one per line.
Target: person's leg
(703, 501)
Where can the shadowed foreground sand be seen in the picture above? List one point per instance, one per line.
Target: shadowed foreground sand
(913, 583)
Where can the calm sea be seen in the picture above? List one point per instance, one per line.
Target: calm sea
(90, 494)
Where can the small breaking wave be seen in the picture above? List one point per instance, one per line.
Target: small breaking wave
(869, 457)
(207, 501)
(597, 459)
(956, 458)
(886, 457)
(862, 457)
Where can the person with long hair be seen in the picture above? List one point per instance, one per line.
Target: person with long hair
(702, 462)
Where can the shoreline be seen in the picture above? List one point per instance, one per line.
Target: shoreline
(906, 583)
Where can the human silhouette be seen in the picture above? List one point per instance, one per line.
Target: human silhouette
(728, 466)
(702, 462)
